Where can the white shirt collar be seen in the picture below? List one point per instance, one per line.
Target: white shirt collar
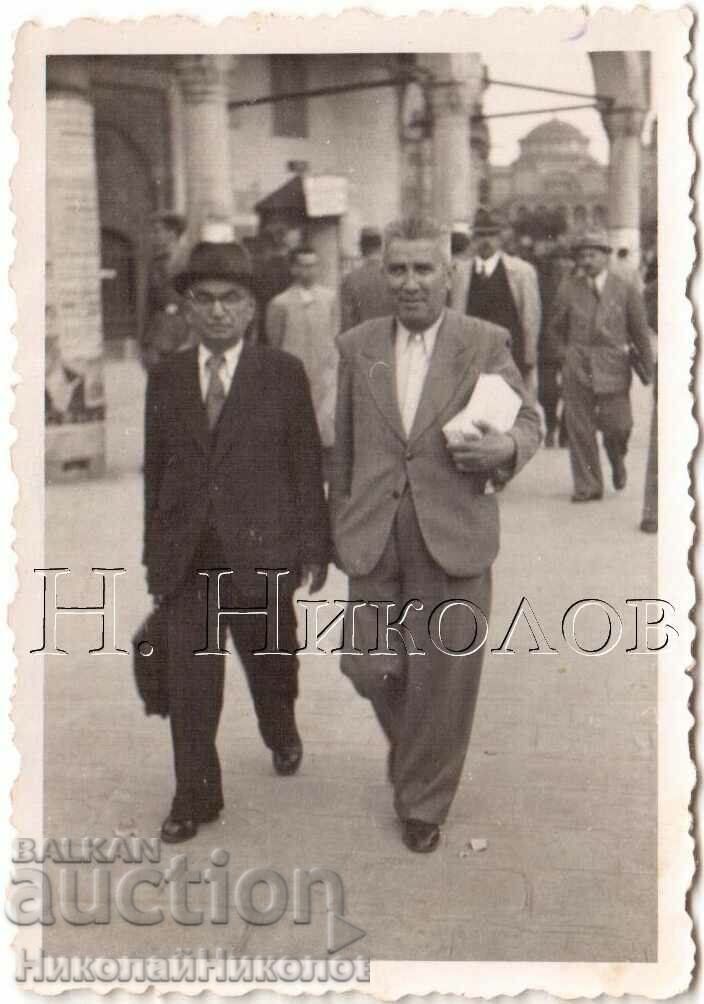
(600, 280)
(403, 335)
(231, 357)
(487, 265)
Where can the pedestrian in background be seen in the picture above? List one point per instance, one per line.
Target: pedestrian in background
(500, 288)
(165, 328)
(649, 522)
(305, 321)
(551, 267)
(364, 292)
(598, 322)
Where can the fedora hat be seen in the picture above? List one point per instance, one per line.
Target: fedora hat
(486, 223)
(216, 261)
(597, 239)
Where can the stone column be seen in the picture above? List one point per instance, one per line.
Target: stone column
(624, 79)
(624, 127)
(209, 187)
(75, 432)
(455, 86)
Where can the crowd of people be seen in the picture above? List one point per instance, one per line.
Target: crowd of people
(334, 450)
(509, 279)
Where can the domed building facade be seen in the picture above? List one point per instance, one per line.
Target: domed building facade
(554, 172)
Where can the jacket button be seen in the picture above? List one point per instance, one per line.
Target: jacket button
(409, 455)
(395, 494)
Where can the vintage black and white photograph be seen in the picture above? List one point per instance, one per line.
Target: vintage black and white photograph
(358, 594)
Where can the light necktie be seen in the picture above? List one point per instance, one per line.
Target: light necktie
(215, 395)
(416, 368)
(595, 288)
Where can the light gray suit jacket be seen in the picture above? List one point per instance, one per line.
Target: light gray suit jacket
(375, 461)
(523, 280)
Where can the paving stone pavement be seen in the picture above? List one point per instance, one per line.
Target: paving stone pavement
(560, 779)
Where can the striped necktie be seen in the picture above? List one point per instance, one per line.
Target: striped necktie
(215, 395)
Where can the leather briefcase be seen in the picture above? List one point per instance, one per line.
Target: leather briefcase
(151, 671)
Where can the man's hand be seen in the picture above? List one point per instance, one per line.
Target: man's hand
(317, 575)
(483, 454)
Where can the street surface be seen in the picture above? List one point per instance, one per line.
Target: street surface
(560, 780)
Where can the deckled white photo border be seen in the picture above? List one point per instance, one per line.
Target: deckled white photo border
(666, 33)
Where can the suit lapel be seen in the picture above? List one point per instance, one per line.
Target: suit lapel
(449, 365)
(381, 375)
(193, 409)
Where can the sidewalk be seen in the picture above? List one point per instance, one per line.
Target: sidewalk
(560, 779)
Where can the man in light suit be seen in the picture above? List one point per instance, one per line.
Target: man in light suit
(597, 316)
(412, 520)
(305, 321)
(503, 289)
(232, 480)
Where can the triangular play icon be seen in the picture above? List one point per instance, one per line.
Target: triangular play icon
(341, 933)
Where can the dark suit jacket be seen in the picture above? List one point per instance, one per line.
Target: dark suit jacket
(375, 461)
(260, 483)
(591, 338)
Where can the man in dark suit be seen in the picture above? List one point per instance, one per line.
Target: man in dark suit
(597, 316)
(232, 481)
(412, 519)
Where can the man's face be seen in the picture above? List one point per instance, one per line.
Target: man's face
(220, 310)
(305, 269)
(592, 260)
(419, 279)
(486, 245)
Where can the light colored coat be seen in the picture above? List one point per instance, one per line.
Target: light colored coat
(375, 460)
(523, 280)
(307, 328)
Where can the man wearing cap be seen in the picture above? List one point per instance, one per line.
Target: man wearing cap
(598, 320)
(232, 480)
(364, 292)
(165, 328)
(503, 289)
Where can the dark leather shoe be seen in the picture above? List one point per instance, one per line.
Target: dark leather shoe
(587, 496)
(287, 759)
(175, 831)
(209, 817)
(420, 836)
(649, 526)
(620, 474)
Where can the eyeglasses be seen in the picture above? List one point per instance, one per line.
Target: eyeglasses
(228, 301)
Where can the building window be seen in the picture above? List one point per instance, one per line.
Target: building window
(289, 74)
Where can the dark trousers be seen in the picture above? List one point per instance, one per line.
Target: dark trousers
(424, 703)
(650, 498)
(549, 393)
(196, 682)
(586, 413)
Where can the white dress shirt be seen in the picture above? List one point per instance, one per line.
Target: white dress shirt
(231, 357)
(413, 350)
(599, 281)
